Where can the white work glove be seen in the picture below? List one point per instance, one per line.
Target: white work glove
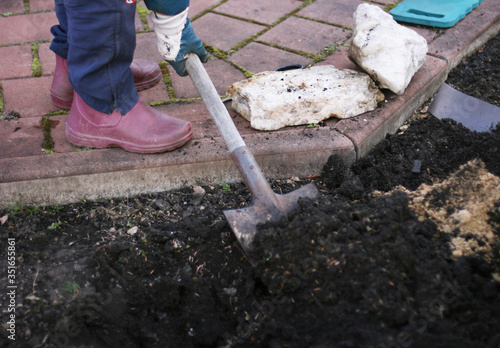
(175, 40)
(168, 30)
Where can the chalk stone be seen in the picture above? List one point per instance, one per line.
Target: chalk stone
(387, 51)
(275, 99)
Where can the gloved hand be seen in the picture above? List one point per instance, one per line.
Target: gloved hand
(175, 39)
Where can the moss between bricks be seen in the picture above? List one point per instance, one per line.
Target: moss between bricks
(36, 66)
(223, 56)
(207, 10)
(143, 15)
(48, 143)
(167, 79)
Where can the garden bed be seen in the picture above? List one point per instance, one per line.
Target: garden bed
(401, 250)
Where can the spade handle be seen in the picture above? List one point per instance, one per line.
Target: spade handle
(241, 155)
(214, 104)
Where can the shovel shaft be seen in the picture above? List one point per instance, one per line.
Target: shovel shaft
(252, 175)
(214, 104)
(255, 180)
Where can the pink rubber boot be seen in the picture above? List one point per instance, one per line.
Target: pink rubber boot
(143, 129)
(61, 91)
(146, 74)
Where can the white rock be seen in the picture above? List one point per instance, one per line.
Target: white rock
(275, 99)
(133, 230)
(198, 190)
(389, 52)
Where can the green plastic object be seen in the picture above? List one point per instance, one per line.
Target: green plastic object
(434, 13)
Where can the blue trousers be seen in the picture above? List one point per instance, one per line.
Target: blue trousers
(97, 37)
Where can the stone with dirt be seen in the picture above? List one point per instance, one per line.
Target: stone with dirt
(274, 99)
(388, 51)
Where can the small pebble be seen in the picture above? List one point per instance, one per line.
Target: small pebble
(198, 190)
(417, 165)
(132, 230)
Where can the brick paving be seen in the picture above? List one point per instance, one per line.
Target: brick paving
(243, 37)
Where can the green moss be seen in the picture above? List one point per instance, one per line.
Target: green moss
(142, 10)
(59, 112)
(175, 101)
(81, 148)
(247, 73)
(48, 143)
(216, 52)
(143, 15)
(208, 10)
(36, 66)
(223, 56)
(12, 115)
(167, 79)
(328, 51)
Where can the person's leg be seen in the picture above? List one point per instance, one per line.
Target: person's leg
(60, 42)
(146, 72)
(61, 91)
(101, 48)
(106, 109)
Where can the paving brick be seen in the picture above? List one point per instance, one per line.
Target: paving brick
(28, 97)
(221, 73)
(16, 61)
(304, 35)
(213, 30)
(198, 6)
(469, 34)
(11, 6)
(203, 125)
(47, 59)
(427, 33)
(340, 60)
(58, 134)
(333, 11)
(41, 5)
(262, 11)
(146, 47)
(27, 28)
(157, 93)
(21, 137)
(257, 57)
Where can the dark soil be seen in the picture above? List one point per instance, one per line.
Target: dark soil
(401, 250)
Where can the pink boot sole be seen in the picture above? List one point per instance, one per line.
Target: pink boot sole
(59, 101)
(102, 142)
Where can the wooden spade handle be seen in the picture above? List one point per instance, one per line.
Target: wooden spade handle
(213, 103)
